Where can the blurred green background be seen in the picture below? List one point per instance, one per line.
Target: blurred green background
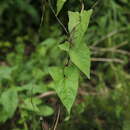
(29, 35)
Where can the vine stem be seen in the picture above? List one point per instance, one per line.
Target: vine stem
(50, 5)
(57, 119)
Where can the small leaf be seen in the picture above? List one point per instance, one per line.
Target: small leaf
(85, 17)
(9, 102)
(78, 24)
(66, 84)
(5, 72)
(33, 88)
(60, 4)
(81, 58)
(45, 110)
(74, 20)
(64, 46)
(31, 104)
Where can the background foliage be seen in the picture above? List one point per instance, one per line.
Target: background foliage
(28, 46)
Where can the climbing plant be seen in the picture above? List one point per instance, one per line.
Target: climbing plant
(66, 77)
(56, 72)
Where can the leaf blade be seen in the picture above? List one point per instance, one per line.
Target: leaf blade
(66, 87)
(9, 101)
(78, 24)
(60, 4)
(81, 58)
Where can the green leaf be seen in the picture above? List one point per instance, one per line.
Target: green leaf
(81, 58)
(45, 110)
(5, 72)
(36, 106)
(85, 18)
(31, 104)
(74, 20)
(56, 73)
(66, 84)
(78, 24)
(60, 4)
(64, 46)
(79, 53)
(9, 102)
(33, 88)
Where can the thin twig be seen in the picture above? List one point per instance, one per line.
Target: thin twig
(107, 60)
(82, 5)
(108, 36)
(46, 94)
(57, 119)
(121, 44)
(113, 49)
(122, 52)
(45, 125)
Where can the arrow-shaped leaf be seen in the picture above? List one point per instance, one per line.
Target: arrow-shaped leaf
(66, 84)
(60, 4)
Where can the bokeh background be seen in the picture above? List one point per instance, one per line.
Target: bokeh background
(29, 35)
